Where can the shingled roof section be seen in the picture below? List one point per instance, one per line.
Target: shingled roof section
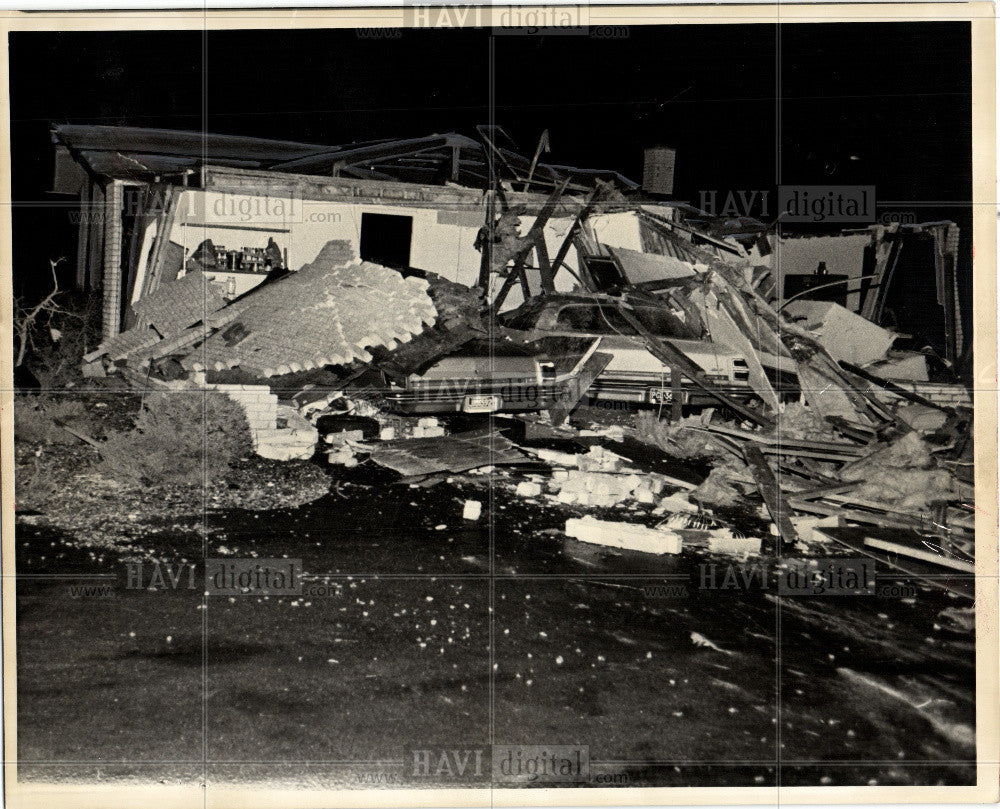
(118, 346)
(328, 313)
(179, 304)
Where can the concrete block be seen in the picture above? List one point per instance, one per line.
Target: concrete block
(575, 482)
(285, 452)
(387, 434)
(553, 457)
(629, 536)
(472, 510)
(605, 486)
(345, 435)
(633, 482)
(677, 503)
(722, 540)
(528, 489)
(343, 456)
(645, 496)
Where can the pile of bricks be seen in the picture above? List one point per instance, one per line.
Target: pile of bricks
(604, 489)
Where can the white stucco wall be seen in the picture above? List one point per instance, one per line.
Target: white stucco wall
(844, 255)
(443, 241)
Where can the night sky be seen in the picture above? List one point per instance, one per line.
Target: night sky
(746, 106)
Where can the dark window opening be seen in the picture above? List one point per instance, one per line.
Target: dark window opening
(605, 272)
(385, 239)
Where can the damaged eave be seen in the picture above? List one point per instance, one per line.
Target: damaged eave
(439, 159)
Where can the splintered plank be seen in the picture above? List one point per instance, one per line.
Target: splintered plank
(724, 328)
(580, 384)
(959, 582)
(768, 487)
(669, 354)
(892, 387)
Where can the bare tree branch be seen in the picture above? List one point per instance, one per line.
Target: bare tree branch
(28, 321)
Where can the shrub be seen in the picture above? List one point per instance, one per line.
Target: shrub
(55, 352)
(180, 437)
(35, 419)
(38, 477)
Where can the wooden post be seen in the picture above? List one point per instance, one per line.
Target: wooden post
(885, 253)
(581, 217)
(667, 353)
(95, 237)
(676, 394)
(486, 258)
(530, 240)
(544, 266)
(591, 369)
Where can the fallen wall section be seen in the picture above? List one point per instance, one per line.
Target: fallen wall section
(295, 438)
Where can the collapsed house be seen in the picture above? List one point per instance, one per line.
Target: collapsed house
(285, 275)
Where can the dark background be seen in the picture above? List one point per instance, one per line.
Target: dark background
(746, 106)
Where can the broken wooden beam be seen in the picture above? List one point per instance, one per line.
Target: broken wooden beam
(669, 354)
(892, 387)
(578, 221)
(579, 386)
(924, 555)
(768, 487)
(536, 232)
(789, 444)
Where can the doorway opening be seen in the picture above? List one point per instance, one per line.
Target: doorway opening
(385, 239)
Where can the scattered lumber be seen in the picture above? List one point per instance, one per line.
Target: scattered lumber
(924, 554)
(892, 387)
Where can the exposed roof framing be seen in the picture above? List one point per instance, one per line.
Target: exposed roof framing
(132, 153)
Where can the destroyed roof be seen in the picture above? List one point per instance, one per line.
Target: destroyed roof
(137, 153)
(143, 154)
(327, 313)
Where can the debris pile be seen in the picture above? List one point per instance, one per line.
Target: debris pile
(812, 408)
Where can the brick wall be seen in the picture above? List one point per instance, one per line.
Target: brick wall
(111, 311)
(950, 395)
(295, 440)
(257, 401)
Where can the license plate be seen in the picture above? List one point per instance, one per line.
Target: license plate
(660, 395)
(481, 404)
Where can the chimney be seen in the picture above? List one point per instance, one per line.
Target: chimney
(658, 170)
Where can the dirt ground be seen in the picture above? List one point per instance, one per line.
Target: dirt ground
(418, 629)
